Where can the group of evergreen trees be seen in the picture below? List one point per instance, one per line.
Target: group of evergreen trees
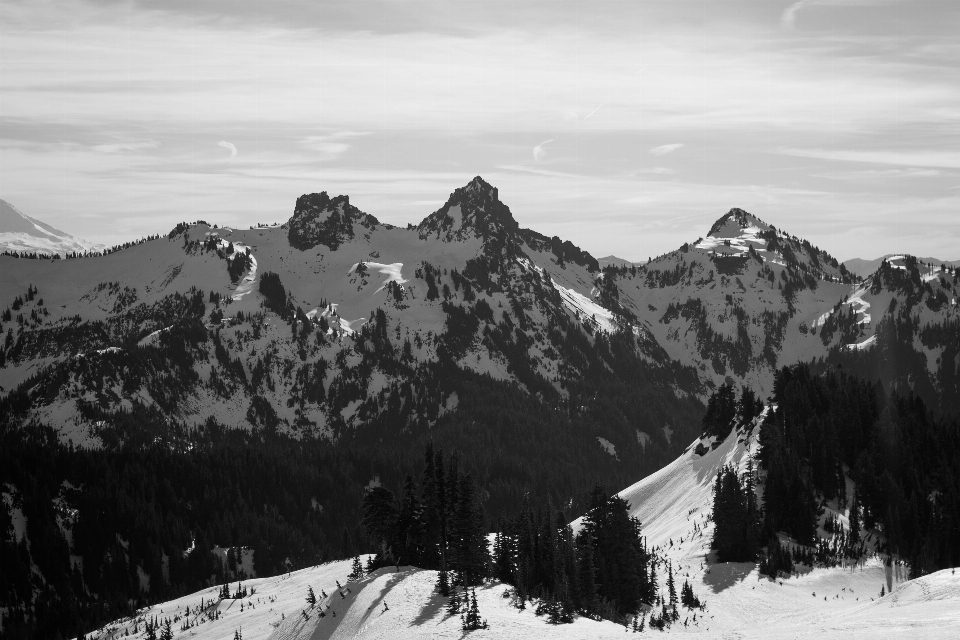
(904, 461)
(440, 526)
(603, 571)
(735, 516)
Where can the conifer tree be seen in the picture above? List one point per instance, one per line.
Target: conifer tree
(356, 570)
(443, 582)
(588, 574)
(672, 591)
(311, 597)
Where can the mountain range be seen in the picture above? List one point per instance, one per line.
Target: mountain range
(283, 370)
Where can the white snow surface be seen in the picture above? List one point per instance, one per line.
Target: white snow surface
(587, 309)
(860, 346)
(739, 244)
(392, 271)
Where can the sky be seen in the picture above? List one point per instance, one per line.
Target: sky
(627, 127)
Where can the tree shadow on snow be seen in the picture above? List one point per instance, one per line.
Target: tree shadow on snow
(723, 575)
(436, 604)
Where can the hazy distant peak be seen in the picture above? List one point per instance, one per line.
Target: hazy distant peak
(19, 232)
(865, 268)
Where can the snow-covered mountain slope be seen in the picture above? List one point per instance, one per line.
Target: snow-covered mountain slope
(23, 234)
(866, 268)
(735, 305)
(818, 602)
(674, 506)
(335, 263)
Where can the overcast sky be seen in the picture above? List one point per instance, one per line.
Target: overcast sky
(627, 127)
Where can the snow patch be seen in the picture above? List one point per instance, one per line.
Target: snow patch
(643, 438)
(608, 446)
(392, 271)
(586, 309)
(667, 432)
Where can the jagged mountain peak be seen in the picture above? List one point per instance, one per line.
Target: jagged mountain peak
(473, 210)
(320, 219)
(740, 234)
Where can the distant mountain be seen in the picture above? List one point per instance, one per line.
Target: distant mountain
(865, 268)
(21, 233)
(615, 261)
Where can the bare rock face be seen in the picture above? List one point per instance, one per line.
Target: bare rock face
(319, 219)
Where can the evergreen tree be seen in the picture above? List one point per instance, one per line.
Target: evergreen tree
(589, 601)
(356, 570)
(672, 591)
(311, 597)
(734, 514)
(443, 582)
(469, 536)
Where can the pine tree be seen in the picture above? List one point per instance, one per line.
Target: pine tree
(588, 574)
(356, 570)
(470, 539)
(311, 597)
(471, 619)
(167, 633)
(672, 591)
(443, 582)
(453, 606)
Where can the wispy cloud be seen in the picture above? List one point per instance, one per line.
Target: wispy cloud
(789, 17)
(904, 158)
(664, 149)
(330, 146)
(882, 174)
(539, 152)
(116, 147)
(230, 147)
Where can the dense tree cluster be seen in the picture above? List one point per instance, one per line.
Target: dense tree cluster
(725, 411)
(603, 571)
(439, 526)
(833, 425)
(736, 517)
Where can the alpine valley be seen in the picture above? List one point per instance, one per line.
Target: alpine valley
(199, 430)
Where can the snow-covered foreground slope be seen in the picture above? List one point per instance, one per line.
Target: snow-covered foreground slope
(824, 602)
(842, 602)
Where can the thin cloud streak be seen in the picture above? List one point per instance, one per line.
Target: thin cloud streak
(230, 147)
(664, 149)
